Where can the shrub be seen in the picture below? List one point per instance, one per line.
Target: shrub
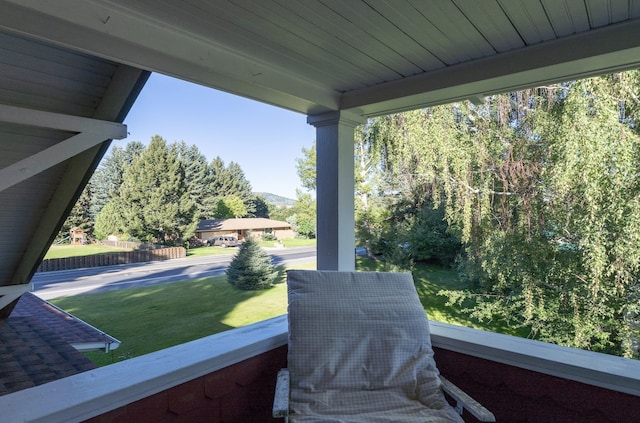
(251, 268)
(431, 238)
(269, 237)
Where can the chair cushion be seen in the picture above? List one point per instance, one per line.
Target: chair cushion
(359, 345)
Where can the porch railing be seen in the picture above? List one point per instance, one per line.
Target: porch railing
(509, 375)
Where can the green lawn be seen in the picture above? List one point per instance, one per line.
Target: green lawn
(152, 318)
(61, 251)
(298, 242)
(210, 251)
(149, 319)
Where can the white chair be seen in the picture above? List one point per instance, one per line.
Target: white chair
(360, 351)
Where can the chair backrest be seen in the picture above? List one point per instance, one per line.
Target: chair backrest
(358, 330)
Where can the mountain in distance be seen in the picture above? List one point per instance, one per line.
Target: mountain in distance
(277, 200)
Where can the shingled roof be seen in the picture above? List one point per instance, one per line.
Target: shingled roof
(79, 334)
(31, 355)
(40, 343)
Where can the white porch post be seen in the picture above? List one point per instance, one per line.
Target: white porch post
(334, 189)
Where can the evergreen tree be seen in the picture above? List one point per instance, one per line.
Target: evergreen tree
(154, 200)
(107, 178)
(262, 207)
(224, 182)
(196, 171)
(80, 215)
(251, 267)
(109, 221)
(241, 187)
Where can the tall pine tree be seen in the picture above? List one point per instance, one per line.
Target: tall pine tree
(196, 171)
(107, 178)
(154, 200)
(226, 182)
(80, 215)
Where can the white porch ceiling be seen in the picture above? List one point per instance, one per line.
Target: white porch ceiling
(369, 56)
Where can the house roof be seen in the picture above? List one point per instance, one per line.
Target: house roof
(240, 224)
(81, 335)
(32, 354)
(40, 343)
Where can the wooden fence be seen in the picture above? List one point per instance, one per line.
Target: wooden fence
(110, 259)
(130, 244)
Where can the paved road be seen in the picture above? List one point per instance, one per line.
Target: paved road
(65, 283)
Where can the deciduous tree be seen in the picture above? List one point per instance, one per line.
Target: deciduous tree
(303, 219)
(306, 167)
(543, 188)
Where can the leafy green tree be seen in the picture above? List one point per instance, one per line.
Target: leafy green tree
(306, 167)
(551, 251)
(542, 187)
(236, 205)
(281, 213)
(430, 238)
(222, 210)
(303, 219)
(372, 223)
(108, 222)
(251, 267)
(230, 206)
(154, 200)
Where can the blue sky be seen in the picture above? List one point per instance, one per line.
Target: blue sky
(264, 140)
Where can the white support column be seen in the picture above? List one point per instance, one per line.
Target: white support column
(335, 189)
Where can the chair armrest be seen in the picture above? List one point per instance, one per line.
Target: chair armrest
(464, 401)
(281, 397)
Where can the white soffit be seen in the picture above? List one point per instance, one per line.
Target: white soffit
(371, 57)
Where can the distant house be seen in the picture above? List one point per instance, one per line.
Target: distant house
(239, 228)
